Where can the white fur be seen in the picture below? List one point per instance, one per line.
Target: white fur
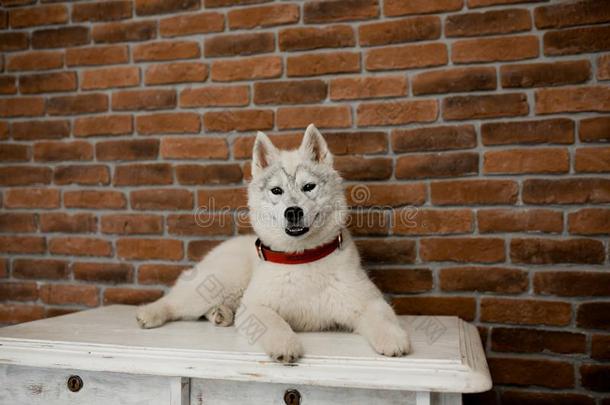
(329, 293)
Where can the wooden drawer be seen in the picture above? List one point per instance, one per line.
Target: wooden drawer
(31, 386)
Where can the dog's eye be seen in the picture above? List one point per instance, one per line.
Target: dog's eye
(277, 191)
(309, 187)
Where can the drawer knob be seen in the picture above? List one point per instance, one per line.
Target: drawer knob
(75, 383)
(292, 397)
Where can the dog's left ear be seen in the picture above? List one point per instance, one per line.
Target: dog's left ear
(314, 146)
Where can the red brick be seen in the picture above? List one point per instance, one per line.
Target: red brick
(549, 251)
(489, 22)
(600, 347)
(455, 80)
(485, 3)
(189, 24)
(14, 222)
(385, 195)
(97, 55)
(603, 67)
(368, 223)
(385, 250)
(238, 120)
(124, 76)
(324, 117)
(68, 223)
(78, 104)
(594, 315)
(283, 92)
(131, 224)
(22, 106)
(544, 373)
(42, 15)
(572, 283)
(40, 269)
(22, 244)
(143, 174)
(13, 41)
(239, 44)
(589, 221)
(8, 85)
(474, 192)
(525, 311)
(222, 3)
(263, 16)
(94, 199)
(168, 123)
(24, 175)
(10, 152)
(497, 49)
(130, 296)
(322, 64)
(545, 74)
(103, 272)
(194, 148)
(103, 125)
(595, 377)
(124, 31)
(400, 7)
(577, 40)
(17, 313)
(197, 249)
(351, 88)
(102, 11)
(200, 224)
(136, 149)
(182, 72)
(463, 307)
(60, 37)
(413, 221)
(552, 131)
(521, 340)
(566, 191)
(596, 129)
(32, 198)
(80, 246)
(437, 165)
(149, 249)
(487, 106)
(399, 31)
(261, 67)
(592, 160)
(52, 151)
(519, 161)
(434, 138)
(35, 60)
(396, 112)
(573, 99)
(70, 294)
(402, 281)
(18, 291)
(159, 273)
(478, 250)
(484, 279)
(162, 199)
(221, 198)
(406, 57)
(525, 220)
(152, 7)
(569, 14)
(339, 10)
(143, 100)
(361, 168)
(305, 38)
(162, 51)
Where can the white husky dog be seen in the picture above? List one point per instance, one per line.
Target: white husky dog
(303, 275)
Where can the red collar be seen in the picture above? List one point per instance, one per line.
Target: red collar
(307, 256)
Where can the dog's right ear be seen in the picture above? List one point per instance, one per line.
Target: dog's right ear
(263, 154)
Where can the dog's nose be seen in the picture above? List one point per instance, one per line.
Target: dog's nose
(293, 215)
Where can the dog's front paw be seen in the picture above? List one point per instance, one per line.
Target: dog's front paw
(284, 349)
(150, 316)
(391, 341)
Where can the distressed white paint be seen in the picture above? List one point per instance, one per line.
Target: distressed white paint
(447, 354)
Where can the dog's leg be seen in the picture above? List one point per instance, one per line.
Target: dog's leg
(277, 338)
(379, 325)
(220, 315)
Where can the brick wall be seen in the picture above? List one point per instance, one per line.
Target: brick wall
(119, 118)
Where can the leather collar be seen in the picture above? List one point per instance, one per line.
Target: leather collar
(307, 256)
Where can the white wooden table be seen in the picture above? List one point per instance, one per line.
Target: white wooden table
(101, 356)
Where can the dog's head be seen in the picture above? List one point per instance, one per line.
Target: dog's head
(296, 198)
